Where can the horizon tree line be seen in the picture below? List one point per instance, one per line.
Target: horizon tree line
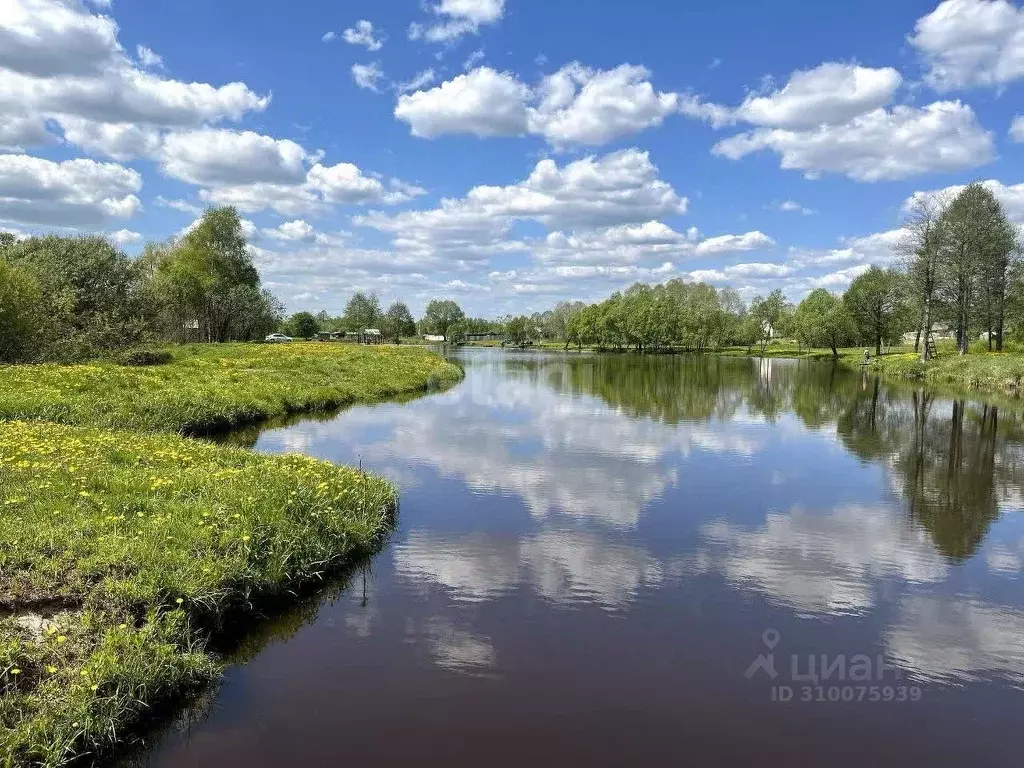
(957, 269)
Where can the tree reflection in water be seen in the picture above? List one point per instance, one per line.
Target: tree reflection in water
(951, 460)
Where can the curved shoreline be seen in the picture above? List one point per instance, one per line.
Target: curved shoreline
(150, 542)
(217, 387)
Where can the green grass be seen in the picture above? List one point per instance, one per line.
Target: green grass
(208, 388)
(123, 552)
(997, 373)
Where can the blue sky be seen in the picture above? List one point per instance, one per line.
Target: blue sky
(510, 154)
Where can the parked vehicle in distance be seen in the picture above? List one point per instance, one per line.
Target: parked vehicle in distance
(277, 337)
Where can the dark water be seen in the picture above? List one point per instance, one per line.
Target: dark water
(592, 552)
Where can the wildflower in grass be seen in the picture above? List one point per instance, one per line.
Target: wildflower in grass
(155, 514)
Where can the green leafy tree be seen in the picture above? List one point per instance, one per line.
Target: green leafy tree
(706, 317)
(974, 235)
(206, 281)
(302, 325)
(457, 332)
(921, 248)
(582, 327)
(520, 331)
(749, 331)
(1000, 262)
(769, 313)
(20, 313)
(91, 300)
(822, 320)
(875, 300)
(440, 316)
(556, 322)
(733, 313)
(398, 322)
(362, 312)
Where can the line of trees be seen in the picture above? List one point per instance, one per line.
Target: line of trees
(963, 267)
(363, 311)
(441, 317)
(959, 273)
(72, 298)
(67, 299)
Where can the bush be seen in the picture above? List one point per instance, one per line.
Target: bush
(141, 357)
(20, 315)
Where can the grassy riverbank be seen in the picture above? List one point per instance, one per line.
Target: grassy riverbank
(997, 373)
(994, 372)
(122, 552)
(214, 387)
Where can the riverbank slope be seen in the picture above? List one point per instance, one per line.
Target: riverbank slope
(122, 551)
(214, 387)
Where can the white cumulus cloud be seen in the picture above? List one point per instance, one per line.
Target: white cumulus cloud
(148, 58)
(579, 105)
(611, 191)
(416, 82)
(45, 38)
(61, 62)
(124, 237)
(76, 193)
(830, 93)
(967, 43)
(1017, 128)
(362, 34)
(483, 102)
(367, 75)
(576, 105)
(878, 145)
(458, 18)
(217, 156)
(732, 243)
(792, 206)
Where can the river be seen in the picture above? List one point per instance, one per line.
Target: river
(638, 561)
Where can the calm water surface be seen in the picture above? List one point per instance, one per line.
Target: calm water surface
(592, 552)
